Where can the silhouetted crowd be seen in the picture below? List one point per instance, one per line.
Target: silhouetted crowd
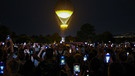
(67, 59)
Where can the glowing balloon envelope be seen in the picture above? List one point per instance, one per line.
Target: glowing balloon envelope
(64, 11)
(64, 15)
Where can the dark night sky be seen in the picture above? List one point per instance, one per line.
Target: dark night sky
(38, 17)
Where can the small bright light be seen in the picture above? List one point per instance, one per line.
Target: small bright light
(1, 72)
(70, 50)
(107, 57)
(77, 68)
(2, 67)
(62, 61)
(64, 13)
(62, 40)
(85, 58)
(127, 53)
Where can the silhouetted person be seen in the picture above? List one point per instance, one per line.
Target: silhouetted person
(49, 66)
(116, 69)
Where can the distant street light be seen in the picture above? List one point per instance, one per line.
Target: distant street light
(64, 11)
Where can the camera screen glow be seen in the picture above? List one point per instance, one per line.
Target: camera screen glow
(1, 72)
(1, 67)
(77, 68)
(85, 58)
(107, 58)
(62, 60)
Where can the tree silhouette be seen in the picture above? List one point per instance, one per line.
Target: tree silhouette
(56, 37)
(4, 31)
(23, 38)
(86, 33)
(104, 37)
(70, 38)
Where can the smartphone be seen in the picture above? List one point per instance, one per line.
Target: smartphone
(76, 69)
(87, 72)
(85, 58)
(77, 49)
(2, 66)
(107, 57)
(8, 37)
(24, 43)
(127, 53)
(62, 60)
(14, 56)
(3, 43)
(31, 52)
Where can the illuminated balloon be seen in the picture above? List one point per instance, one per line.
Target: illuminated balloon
(64, 10)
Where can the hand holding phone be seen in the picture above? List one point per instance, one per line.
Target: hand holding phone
(107, 57)
(8, 37)
(85, 58)
(76, 69)
(62, 60)
(2, 66)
